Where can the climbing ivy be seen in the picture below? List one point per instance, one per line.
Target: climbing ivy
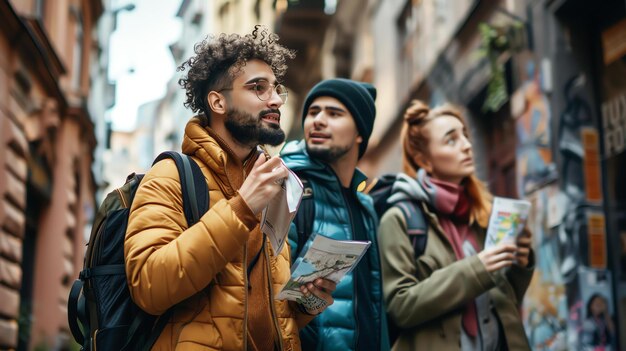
(494, 41)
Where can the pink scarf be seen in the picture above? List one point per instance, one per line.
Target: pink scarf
(453, 211)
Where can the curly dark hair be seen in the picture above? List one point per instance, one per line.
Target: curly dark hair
(219, 60)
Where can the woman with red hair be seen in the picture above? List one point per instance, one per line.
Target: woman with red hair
(454, 295)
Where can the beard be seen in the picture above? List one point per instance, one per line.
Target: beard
(327, 155)
(249, 130)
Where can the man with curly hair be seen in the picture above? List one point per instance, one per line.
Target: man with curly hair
(220, 275)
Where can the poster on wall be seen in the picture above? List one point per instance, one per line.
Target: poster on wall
(546, 314)
(597, 327)
(591, 164)
(597, 255)
(534, 160)
(613, 122)
(613, 107)
(557, 205)
(545, 309)
(547, 244)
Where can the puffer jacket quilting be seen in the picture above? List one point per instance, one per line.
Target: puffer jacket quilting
(335, 327)
(204, 274)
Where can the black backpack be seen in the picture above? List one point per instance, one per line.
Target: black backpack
(380, 191)
(417, 227)
(101, 313)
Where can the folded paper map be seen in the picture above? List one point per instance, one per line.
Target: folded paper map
(322, 257)
(507, 220)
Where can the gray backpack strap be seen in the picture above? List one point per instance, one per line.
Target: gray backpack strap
(417, 226)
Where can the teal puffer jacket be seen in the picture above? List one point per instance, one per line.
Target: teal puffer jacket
(336, 328)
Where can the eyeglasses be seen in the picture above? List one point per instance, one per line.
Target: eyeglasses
(265, 89)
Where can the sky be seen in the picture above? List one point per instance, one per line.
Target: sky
(140, 61)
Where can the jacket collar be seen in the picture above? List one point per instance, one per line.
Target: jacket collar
(214, 152)
(297, 159)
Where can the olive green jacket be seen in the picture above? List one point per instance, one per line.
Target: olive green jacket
(426, 296)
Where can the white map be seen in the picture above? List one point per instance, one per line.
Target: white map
(507, 220)
(322, 257)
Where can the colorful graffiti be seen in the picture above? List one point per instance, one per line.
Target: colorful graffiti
(555, 304)
(545, 303)
(535, 165)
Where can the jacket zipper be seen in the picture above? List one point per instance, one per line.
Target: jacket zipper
(366, 220)
(245, 289)
(272, 305)
(354, 275)
(245, 284)
(245, 276)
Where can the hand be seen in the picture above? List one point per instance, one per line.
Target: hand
(263, 183)
(524, 242)
(498, 257)
(317, 295)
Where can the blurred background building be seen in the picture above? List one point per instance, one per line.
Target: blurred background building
(53, 94)
(542, 83)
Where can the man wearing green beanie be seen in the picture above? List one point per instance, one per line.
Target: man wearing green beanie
(338, 118)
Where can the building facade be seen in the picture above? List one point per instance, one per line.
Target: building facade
(47, 139)
(543, 87)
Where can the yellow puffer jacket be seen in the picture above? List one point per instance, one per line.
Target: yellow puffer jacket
(201, 269)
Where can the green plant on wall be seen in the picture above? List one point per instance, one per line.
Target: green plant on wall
(494, 41)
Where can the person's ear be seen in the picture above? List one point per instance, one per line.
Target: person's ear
(423, 162)
(359, 139)
(217, 102)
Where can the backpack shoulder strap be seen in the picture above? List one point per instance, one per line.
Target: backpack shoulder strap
(195, 204)
(194, 187)
(417, 227)
(305, 216)
(73, 312)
